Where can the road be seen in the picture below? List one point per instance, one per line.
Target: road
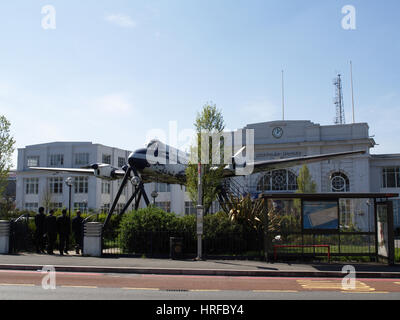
(93, 286)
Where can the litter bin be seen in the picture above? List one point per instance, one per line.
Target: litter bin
(175, 248)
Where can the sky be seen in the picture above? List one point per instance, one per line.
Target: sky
(119, 72)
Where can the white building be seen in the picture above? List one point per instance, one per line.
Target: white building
(275, 139)
(361, 173)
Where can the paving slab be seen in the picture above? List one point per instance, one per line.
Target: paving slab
(113, 264)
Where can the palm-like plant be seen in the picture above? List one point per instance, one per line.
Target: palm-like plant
(251, 213)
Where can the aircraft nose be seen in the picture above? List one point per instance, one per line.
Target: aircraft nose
(138, 160)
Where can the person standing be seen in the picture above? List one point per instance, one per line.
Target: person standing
(77, 230)
(63, 226)
(51, 230)
(40, 230)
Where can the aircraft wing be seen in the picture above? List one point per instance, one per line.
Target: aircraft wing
(274, 164)
(100, 173)
(64, 170)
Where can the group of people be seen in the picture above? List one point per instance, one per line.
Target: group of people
(48, 226)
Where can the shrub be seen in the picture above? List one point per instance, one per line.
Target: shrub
(220, 225)
(138, 228)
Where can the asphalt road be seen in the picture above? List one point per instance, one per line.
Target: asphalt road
(93, 286)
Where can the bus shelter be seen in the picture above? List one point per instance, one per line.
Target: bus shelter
(346, 225)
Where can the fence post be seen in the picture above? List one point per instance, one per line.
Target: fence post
(92, 239)
(4, 237)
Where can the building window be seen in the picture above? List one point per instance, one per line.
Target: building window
(340, 182)
(105, 187)
(81, 159)
(31, 206)
(81, 206)
(164, 205)
(190, 208)
(278, 180)
(121, 162)
(56, 160)
(55, 206)
(125, 190)
(56, 185)
(163, 187)
(106, 159)
(105, 207)
(32, 161)
(119, 207)
(81, 185)
(391, 177)
(32, 186)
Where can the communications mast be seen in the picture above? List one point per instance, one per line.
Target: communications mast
(339, 100)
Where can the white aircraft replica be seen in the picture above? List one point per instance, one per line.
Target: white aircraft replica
(140, 170)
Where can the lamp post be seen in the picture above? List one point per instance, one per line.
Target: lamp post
(85, 205)
(68, 182)
(199, 214)
(154, 195)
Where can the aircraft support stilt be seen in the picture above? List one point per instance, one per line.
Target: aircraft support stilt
(121, 187)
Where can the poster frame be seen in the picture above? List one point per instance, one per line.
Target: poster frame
(320, 230)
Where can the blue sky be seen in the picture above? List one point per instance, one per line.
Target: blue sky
(113, 71)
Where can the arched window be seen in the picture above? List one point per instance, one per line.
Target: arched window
(339, 182)
(278, 180)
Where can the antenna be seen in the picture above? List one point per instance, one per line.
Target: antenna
(352, 93)
(338, 101)
(283, 99)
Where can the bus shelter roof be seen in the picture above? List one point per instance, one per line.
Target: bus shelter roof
(327, 195)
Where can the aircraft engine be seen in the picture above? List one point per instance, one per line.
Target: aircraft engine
(104, 171)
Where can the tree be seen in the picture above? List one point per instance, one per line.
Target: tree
(305, 183)
(6, 150)
(209, 121)
(47, 198)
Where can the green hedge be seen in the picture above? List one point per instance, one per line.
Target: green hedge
(148, 231)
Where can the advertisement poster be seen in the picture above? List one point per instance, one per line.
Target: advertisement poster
(320, 215)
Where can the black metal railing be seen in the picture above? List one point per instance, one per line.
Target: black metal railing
(244, 245)
(21, 236)
(345, 244)
(157, 244)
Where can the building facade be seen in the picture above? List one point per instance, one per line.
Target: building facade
(360, 173)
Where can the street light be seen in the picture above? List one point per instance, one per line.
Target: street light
(85, 206)
(68, 182)
(200, 213)
(154, 195)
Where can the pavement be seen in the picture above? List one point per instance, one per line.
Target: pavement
(113, 264)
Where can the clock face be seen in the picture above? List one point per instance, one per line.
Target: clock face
(277, 132)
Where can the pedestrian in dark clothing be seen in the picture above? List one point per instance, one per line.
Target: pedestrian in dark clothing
(40, 230)
(51, 231)
(63, 227)
(77, 229)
